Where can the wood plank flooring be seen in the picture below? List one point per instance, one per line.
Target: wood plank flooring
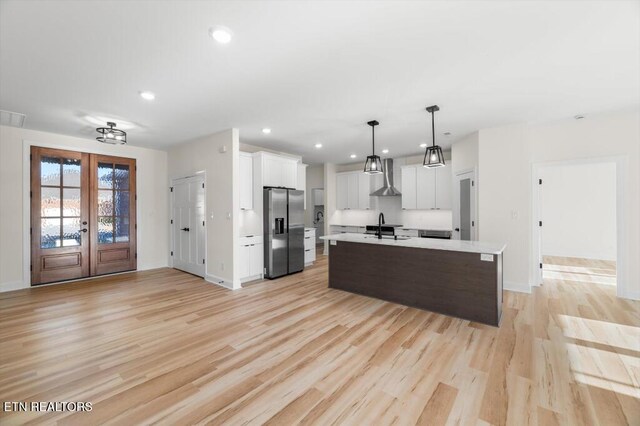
(165, 347)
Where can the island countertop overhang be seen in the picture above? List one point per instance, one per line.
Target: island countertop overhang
(422, 243)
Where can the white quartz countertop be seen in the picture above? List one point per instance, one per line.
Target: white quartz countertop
(426, 243)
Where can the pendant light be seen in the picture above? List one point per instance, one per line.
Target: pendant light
(111, 135)
(433, 155)
(373, 165)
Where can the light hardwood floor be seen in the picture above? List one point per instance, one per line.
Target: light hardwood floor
(165, 347)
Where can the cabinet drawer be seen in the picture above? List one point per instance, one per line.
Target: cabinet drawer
(250, 239)
(309, 255)
(309, 242)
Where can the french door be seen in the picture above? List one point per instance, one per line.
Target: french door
(83, 213)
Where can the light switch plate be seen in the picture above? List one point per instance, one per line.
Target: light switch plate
(486, 257)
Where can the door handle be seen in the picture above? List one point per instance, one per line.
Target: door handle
(83, 230)
(457, 229)
(185, 229)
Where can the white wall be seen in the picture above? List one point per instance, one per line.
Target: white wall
(218, 155)
(578, 210)
(508, 155)
(464, 153)
(315, 179)
(152, 206)
(329, 199)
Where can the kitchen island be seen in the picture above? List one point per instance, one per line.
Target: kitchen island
(451, 277)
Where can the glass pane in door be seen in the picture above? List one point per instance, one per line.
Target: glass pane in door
(105, 175)
(71, 231)
(71, 172)
(50, 171)
(50, 233)
(50, 202)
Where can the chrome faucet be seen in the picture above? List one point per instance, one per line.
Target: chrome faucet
(380, 223)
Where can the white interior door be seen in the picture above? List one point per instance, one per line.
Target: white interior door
(464, 206)
(188, 207)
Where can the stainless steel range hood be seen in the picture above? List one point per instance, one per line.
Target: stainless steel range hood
(387, 190)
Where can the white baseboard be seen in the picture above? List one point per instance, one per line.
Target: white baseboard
(221, 282)
(633, 295)
(12, 285)
(514, 286)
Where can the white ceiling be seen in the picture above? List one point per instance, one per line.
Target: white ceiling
(315, 71)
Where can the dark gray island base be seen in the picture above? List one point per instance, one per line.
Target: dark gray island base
(455, 283)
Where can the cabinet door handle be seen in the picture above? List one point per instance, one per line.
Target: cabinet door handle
(185, 229)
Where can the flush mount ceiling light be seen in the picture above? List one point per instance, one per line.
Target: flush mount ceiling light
(266, 131)
(373, 165)
(111, 135)
(221, 34)
(352, 156)
(433, 155)
(385, 151)
(148, 96)
(318, 145)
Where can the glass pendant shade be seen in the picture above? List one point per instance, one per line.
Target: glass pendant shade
(373, 165)
(111, 135)
(433, 157)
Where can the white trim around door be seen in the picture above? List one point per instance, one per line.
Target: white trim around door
(459, 176)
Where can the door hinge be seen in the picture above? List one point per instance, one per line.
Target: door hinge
(473, 183)
(203, 223)
(540, 223)
(171, 253)
(203, 261)
(31, 268)
(30, 231)
(136, 197)
(136, 255)
(473, 223)
(30, 157)
(171, 188)
(203, 185)
(136, 226)
(172, 221)
(541, 266)
(30, 194)
(539, 181)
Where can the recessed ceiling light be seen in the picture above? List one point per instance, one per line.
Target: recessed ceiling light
(579, 117)
(220, 34)
(423, 145)
(318, 145)
(352, 156)
(385, 151)
(266, 130)
(149, 96)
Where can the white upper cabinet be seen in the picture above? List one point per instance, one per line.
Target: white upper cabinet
(408, 176)
(279, 171)
(342, 191)
(352, 190)
(246, 181)
(444, 188)
(426, 189)
(301, 182)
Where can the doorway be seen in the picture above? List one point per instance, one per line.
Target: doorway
(188, 224)
(464, 206)
(83, 215)
(317, 195)
(577, 223)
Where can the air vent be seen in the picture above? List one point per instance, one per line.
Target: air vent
(13, 119)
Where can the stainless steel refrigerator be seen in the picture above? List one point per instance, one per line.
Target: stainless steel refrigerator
(283, 231)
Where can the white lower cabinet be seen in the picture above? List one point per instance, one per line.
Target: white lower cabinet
(309, 246)
(251, 258)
